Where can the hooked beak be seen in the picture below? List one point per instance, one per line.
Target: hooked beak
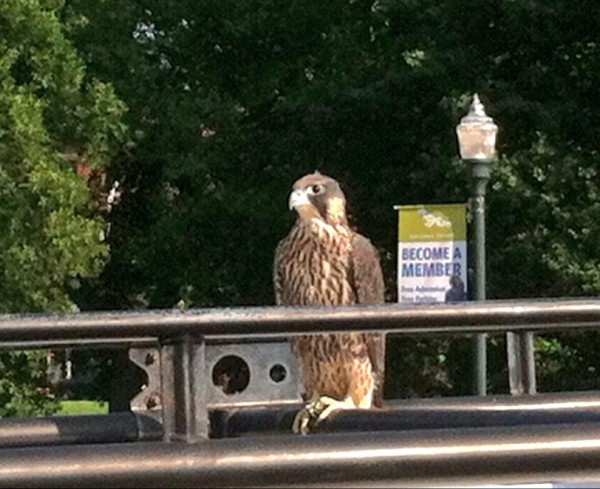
(298, 198)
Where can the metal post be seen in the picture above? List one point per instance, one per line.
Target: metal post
(528, 356)
(521, 363)
(481, 176)
(185, 383)
(201, 379)
(185, 412)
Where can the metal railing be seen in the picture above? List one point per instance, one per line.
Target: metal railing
(516, 447)
(479, 456)
(42, 330)
(523, 317)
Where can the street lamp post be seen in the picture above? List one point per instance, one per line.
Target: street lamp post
(477, 143)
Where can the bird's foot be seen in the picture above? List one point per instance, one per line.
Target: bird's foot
(316, 411)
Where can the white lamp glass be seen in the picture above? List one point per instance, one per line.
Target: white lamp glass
(477, 133)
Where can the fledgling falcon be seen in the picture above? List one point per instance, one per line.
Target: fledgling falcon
(322, 261)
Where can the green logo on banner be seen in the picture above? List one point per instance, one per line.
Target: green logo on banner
(441, 222)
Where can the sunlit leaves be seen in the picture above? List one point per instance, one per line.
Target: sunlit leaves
(50, 234)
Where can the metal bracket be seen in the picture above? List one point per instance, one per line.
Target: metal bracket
(187, 377)
(245, 374)
(149, 400)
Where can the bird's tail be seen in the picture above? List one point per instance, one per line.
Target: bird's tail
(378, 394)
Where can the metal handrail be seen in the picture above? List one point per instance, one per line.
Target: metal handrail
(251, 322)
(517, 454)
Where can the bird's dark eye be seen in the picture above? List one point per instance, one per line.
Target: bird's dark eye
(315, 189)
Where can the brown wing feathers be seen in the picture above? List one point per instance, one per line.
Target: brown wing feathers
(369, 287)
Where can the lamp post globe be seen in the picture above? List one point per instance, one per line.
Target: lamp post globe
(477, 134)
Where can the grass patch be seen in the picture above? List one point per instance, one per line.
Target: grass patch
(83, 407)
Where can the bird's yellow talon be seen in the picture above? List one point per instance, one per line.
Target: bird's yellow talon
(316, 411)
(303, 422)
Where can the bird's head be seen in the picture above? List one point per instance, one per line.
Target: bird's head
(319, 196)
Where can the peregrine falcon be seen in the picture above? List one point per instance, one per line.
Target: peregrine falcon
(322, 261)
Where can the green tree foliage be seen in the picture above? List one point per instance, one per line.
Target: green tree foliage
(51, 235)
(232, 100)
